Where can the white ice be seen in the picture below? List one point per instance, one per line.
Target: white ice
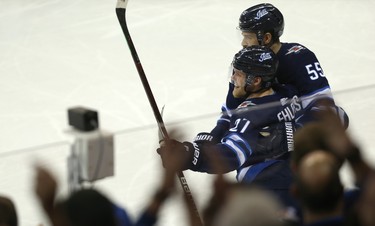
(58, 54)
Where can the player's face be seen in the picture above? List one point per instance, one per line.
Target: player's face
(249, 39)
(239, 81)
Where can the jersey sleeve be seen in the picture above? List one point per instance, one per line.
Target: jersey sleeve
(222, 124)
(236, 150)
(300, 67)
(232, 151)
(310, 73)
(245, 142)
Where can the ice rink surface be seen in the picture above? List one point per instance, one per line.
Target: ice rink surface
(58, 54)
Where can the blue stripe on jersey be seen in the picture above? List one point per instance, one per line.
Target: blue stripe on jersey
(308, 99)
(239, 146)
(248, 174)
(225, 115)
(223, 119)
(325, 89)
(226, 110)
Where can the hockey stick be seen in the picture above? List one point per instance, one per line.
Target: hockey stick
(121, 16)
(160, 135)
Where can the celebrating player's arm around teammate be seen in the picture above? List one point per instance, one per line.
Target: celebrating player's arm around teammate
(260, 136)
(263, 24)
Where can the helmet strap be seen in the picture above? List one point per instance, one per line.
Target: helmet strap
(264, 86)
(260, 36)
(261, 89)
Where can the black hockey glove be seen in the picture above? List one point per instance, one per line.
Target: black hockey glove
(200, 144)
(181, 156)
(176, 155)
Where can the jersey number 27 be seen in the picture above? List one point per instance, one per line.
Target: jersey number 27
(240, 127)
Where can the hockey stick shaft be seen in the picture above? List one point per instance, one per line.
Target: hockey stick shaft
(160, 135)
(121, 15)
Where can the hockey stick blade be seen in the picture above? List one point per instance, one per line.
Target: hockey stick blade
(122, 4)
(121, 16)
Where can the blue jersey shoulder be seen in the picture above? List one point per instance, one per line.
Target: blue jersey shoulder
(300, 67)
(266, 110)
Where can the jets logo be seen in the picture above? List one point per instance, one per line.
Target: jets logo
(264, 56)
(294, 49)
(246, 104)
(261, 13)
(243, 105)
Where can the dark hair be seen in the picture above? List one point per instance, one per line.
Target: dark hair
(88, 207)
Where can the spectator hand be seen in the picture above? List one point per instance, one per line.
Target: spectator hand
(45, 188)
(337, 139)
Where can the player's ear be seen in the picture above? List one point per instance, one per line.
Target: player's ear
(257, 81)
(267, 38)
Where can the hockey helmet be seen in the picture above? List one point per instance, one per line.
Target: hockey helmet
(262, 18)
(257, 61)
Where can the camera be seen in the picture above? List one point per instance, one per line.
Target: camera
(92, 152)
(83, 119)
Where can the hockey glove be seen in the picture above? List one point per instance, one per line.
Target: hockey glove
(181, 156)
(201, 144)
(175, 155)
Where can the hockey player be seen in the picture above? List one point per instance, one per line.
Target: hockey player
(260, 136)
(263, 24)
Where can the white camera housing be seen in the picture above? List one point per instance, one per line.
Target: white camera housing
(92, 156)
